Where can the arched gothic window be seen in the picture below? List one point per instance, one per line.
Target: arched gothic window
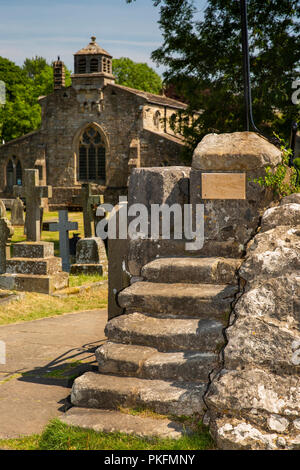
(91, 156)
(13, 173)
(19, 173)
(9, 175)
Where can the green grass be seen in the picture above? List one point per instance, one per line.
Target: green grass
(59, 436)
(82, 279)
(35, 306)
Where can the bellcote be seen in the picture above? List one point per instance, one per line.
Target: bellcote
(92, 60)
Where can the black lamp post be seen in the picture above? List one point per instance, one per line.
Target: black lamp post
(249, 121)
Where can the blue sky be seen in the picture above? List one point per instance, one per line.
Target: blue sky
(62, 27)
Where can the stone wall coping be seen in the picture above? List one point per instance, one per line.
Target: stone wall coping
(244, 151)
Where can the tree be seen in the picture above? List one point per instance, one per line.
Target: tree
(203, 59)
(21, 113)
(136, 75)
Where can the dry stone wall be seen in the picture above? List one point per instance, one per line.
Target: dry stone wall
(254, 402)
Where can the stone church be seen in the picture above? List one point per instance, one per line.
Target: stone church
(93, 131)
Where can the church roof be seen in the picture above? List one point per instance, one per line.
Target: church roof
(92, 48)
(151, 98)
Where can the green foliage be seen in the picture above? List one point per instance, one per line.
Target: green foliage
(136, 75)
(282, 180)
(203, 59)
(22, 113)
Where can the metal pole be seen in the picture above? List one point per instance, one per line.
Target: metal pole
(246, 63)
(247, 78)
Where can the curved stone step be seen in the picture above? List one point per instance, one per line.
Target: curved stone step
(115, 421)
(148, 363)
(186, 300)
(192, 270)
(176, 335)
(95, 390)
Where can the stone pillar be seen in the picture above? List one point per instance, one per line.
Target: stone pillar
(148, 186)
(223, 170)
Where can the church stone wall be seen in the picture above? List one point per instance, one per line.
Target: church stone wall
(119, 116)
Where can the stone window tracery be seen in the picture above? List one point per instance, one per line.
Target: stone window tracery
(92, 153)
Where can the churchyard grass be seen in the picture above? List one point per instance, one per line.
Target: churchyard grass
(35, 306)
(59, 436)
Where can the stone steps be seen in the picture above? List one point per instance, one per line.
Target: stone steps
(160, 353)
(95, 390)
(186, 300)
(34, 265)
(177, 335)
(148, 363)
(192, 270)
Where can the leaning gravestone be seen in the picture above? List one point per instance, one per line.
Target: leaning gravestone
(90, 257)
(6, 231)
(17, 212)
(63, 227)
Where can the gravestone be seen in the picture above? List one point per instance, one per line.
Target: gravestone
(90, 257)
(2, 208)
(34, 268)
(33, 194)
(89, 205)
(17, 212)
(63, 227)
(6, 231)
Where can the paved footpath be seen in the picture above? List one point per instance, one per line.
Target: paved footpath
(42, 358)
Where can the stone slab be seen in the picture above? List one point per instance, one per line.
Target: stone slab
(148, 363)
(184, 300)
(165, 335)
(45, 266)
(94, 390)
(33, 250)
(44, 284)
(114, 421)
(192, 270)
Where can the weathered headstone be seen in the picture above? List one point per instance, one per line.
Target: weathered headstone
(89, 204)
(90, 257)
(17, 212)
(6, 231)
(34, 268)
(2, 208)
(33, 194)
(63, 227)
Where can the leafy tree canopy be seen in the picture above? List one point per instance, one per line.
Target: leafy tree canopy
(203, 58)
(136, 75)
(21, 113)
